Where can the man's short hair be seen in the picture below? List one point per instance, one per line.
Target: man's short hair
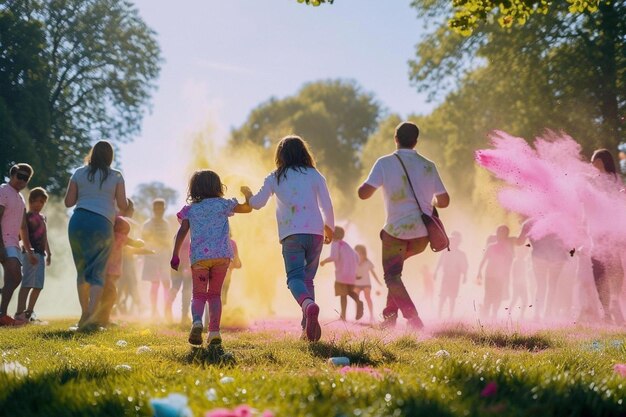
(22, 167)
(407, 134)
(36, 194)
(158, 202)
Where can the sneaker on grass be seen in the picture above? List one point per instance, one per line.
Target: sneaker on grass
(312, 325)
(195, 335)
(7, 321)
(217, 353)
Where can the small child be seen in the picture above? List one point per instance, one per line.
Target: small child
(498, 257)
(346, 260)
(121, 232)
(34, 275)
(453, 265)
(363, 282)
(157, 235)
(206, 215)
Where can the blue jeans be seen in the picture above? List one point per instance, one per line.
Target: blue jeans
(301, 253)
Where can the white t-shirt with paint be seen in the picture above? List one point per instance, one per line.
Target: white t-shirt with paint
(403, 217)
(303, 203)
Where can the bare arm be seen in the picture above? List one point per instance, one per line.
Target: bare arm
(243, 208)
(376, 277)
(48, 252)
(120, 196)
(180, 236)
(26, 241)
(366, 191)
(71, 195)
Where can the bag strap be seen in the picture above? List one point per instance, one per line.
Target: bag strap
(409, 181)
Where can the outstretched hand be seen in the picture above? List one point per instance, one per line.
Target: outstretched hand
(245, 190)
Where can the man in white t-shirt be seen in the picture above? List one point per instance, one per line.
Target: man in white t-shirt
(12, 225)
(404, 233)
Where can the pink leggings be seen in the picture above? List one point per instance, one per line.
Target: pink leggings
(208, 276)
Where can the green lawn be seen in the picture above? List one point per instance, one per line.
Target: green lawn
(569, 372)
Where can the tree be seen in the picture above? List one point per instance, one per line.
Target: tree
(101, 62)
(145, 194)
(335, 117)
(24, 116)
(467, 15)
(559, 71)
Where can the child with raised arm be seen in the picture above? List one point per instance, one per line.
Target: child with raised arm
(206, 215)
(345, 260)
(363, 283)
(33, 276)
(499, 258)
(304, 213)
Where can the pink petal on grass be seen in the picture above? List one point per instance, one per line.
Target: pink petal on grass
(243, 410)
(364, 370)
(620, 369)
(490, 389)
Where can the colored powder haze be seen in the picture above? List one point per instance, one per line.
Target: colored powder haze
(566, 196)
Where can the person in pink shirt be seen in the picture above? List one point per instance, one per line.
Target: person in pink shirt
(12, 226)
(346, 262)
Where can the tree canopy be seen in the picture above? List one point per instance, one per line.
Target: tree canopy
(335, 117)
(466, 15)
(559, 71)
(93, 61)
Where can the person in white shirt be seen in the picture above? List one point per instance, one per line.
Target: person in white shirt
(304, 213)
(404, 233)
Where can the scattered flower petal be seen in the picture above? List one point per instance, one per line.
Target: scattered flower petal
(123, 367)
(143, 349)
(227, 380)
(490, 389)
(14, 368)
(364, 370)
(211, 394)
(121, 343)
(442, 353)
(620, 369)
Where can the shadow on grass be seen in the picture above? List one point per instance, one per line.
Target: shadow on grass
(205, 356)
(498, 339)
(59, 335)
(358, 353)
(524, 396)
(47, 395)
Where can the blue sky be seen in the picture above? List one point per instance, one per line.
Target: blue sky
(223, 58)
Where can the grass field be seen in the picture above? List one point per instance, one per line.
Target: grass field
(51, 371)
